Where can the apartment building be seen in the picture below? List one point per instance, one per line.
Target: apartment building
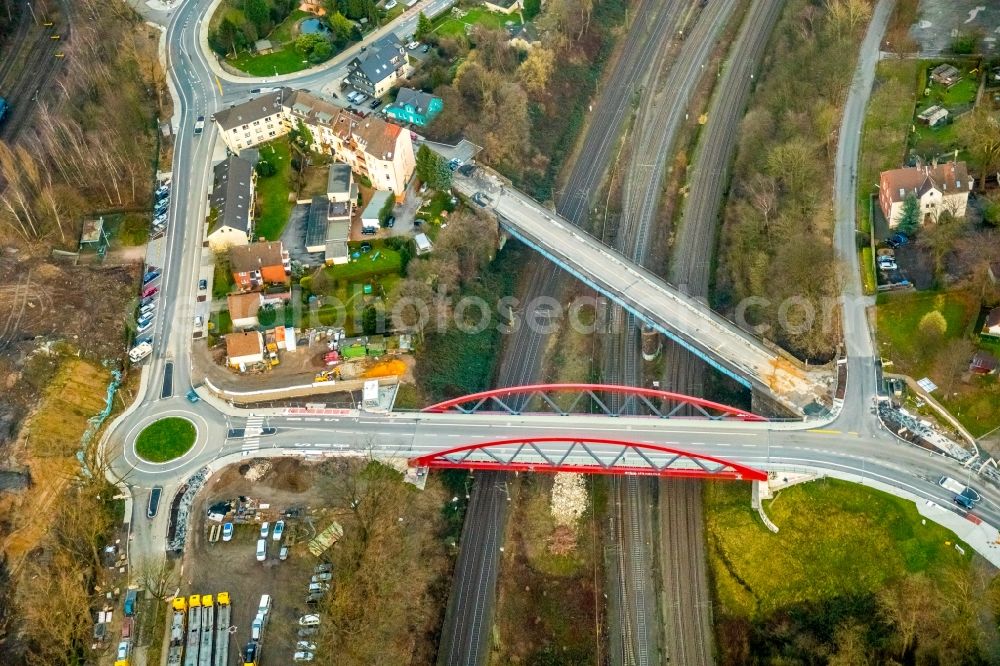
(374, 149)
(379, 67)
(937, 188)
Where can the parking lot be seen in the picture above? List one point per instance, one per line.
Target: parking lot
(286, 486)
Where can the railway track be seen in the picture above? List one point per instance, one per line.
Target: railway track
(31, 63)
(469, 611)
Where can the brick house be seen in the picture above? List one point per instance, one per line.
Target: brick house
(937, 188)
(258, 264)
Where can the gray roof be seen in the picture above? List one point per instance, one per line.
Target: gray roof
(316, 224)
(232, 193)
(337, 234)
(339, 180)
(378, 200)
(418, 99)
(524, 31)
(377, 62)
(249, 111)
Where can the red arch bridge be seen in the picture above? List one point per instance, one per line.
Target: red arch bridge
(585, 454)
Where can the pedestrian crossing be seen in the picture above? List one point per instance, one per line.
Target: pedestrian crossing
(251, 435)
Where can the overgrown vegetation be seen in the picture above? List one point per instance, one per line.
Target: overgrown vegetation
(387, 593)
(273, 205)
(776, 236)
(854, 577)
(524, 109)
(91, 149)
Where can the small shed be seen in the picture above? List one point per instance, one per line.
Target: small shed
(263, 46)
(933, 115)
(423, 243)
(983, 363)
(946, 75)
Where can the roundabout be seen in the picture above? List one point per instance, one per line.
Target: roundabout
(166, 439)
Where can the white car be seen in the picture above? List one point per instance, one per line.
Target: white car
(302, 655)
(391, 5)
(279, 529)
(264, 527)
(227, 532)
(197, 321)
(412, 45)
(320, 577)
(261, 550)
(305, 645)
(122, 651)
(309, 621)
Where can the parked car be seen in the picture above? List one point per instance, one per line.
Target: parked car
(454, 163)
(261, 550)
(197, 321)
(425, 48)
(318, 587)
(897, 240)
(305, 645)
(227, 532)
(412, 45)
(154, 501)
(257, 627)
(309, 621)
(202, 285)
(891, 266)
(391, 5)
(391, 222)
(307, 631)
(375, 103)
(279, 529)
(314, 599)
(122, 651)
(264, 527)
(323, 568)
(360, 98)
(322, 577)
(283, 553)
(302, 655)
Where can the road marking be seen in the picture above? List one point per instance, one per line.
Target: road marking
(825, 431)
(294, 418)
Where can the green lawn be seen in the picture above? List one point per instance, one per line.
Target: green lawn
(961, 94)
(431, 211)
(836, 539)
(282, 61)
(380, 261)
(166, 439)
(448, 25)
(222, 280)
(899, 315)
(868, 278)
(273, 206)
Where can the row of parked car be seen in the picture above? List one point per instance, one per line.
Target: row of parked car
(161, 207)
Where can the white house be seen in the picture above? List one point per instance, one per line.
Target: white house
(938, 188)
(231, 204)
(243, 308)
(253, 122)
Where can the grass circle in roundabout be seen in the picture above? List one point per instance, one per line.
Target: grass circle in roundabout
(166, 439)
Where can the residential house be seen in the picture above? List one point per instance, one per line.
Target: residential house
(243, 308)
(328, 229)
(379, 151)
(523, 36)
(946, 75)
(933, 115)
(243, 349)
(231, 213)
(938, 188)
(254, 122)
(503, 6)
(369, 216)
(258, 264)
(992, 324)
(340, 187)
(414, 106)
(983, 363)
(378, 68)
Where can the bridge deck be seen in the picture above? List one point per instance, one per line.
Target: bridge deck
(684, 319)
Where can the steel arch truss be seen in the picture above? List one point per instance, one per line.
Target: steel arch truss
(586, 456)
(606, 399)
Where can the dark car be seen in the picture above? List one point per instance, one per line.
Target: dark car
(202, 285)
(897, 240)
(391, 222)
(425, 48)
(154, 501)
(376, 103)
(417, 221)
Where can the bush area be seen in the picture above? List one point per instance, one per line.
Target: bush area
(776, 235)
(166, 439)
(854, 576)
(525, 109)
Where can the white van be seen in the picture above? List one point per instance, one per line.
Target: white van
(261, 550)
(257, 628)
(265, 604)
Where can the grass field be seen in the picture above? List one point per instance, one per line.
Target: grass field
(899, 316)
(273, 207)
(166, 439)
(836, 539)
(867, 267)
(448, 25)
(281, 61)
(380, 261)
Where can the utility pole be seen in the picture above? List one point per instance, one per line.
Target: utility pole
(31, 9)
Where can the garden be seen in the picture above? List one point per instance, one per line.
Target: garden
(458, 22)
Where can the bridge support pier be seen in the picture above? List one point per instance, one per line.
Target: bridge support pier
(760, 492)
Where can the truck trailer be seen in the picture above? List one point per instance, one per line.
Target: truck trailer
(222, 629)
(965, 496)
(193, 631)
(175, 651)
(207, 630)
